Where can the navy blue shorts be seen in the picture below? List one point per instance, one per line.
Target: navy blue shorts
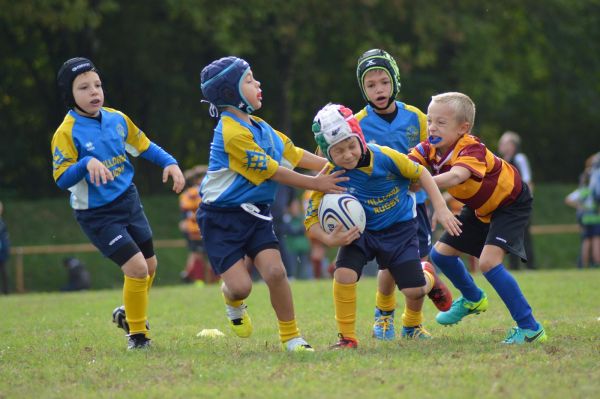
(194, 245)
(231, 233)
(590, 230)
(393, 247)
(424, 231)
(505, 230)
(117, 223)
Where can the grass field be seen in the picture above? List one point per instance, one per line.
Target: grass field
(64, 346)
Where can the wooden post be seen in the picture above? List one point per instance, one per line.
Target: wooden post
(19, 275)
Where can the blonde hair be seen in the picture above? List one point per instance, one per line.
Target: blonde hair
(512, 137)
(463, 106)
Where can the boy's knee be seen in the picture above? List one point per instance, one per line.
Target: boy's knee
(237, 291)
(274, 274)
(344, 275)
(485, 265)
(414, 293)
(444, 250)
(136, 267)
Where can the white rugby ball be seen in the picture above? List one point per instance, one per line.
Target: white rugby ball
(342, 209)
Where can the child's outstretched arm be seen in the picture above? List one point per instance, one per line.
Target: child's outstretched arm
(311, 161)
(441, 213)
(453, 177)
(158, 156)
(175, 173)
(99, 174)
(323, 182)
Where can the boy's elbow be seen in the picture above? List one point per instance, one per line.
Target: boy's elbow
(61, 183)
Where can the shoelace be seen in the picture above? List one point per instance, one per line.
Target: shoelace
(235, 313)
(383, 322)
(416, 332)
(514, 332)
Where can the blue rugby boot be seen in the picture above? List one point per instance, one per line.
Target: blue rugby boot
(461, 308)
(418, 332)
(519, 336)
(383, 328)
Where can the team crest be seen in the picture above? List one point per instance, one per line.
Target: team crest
(121, 130)
(256, 160)
(57, 158)
(412, 134)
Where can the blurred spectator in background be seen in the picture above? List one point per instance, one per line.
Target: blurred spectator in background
(78, 277)
(588, 215)
(196, 266)
(297, 243)
(318, 250)
(509, 148)
(280, 211)
(4, 252)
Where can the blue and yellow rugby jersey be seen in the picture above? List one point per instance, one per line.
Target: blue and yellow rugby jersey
(108, 140)
(381, 188)
(408, 129)
(243, 157)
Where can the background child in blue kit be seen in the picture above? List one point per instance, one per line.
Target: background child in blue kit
(494, 218)
(379, 179)
(386, 121)
(89, 151)
(248, 158)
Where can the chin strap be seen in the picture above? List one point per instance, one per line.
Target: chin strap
(84, 112)
(390, 101)
(213, 111)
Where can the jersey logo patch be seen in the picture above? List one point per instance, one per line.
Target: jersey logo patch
(57, 158)
(412, 134)
(256, 160)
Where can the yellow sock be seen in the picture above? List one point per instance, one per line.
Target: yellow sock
(135, 299)
(429, 280)
(410, 318)
(387, 303)
(233, 303)
(288, 330)
(344, 299)
(151, 280)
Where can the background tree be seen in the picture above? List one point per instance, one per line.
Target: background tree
(530, 66)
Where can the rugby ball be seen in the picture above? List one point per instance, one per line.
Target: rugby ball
(342, 209)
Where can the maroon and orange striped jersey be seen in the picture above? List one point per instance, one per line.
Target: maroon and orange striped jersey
(493, 182)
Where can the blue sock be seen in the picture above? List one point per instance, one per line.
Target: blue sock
(454, 268)
(507, 287)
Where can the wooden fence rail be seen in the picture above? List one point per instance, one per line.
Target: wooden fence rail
(20, 251)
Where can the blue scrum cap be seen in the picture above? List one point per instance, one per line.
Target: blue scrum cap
(221, 81)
